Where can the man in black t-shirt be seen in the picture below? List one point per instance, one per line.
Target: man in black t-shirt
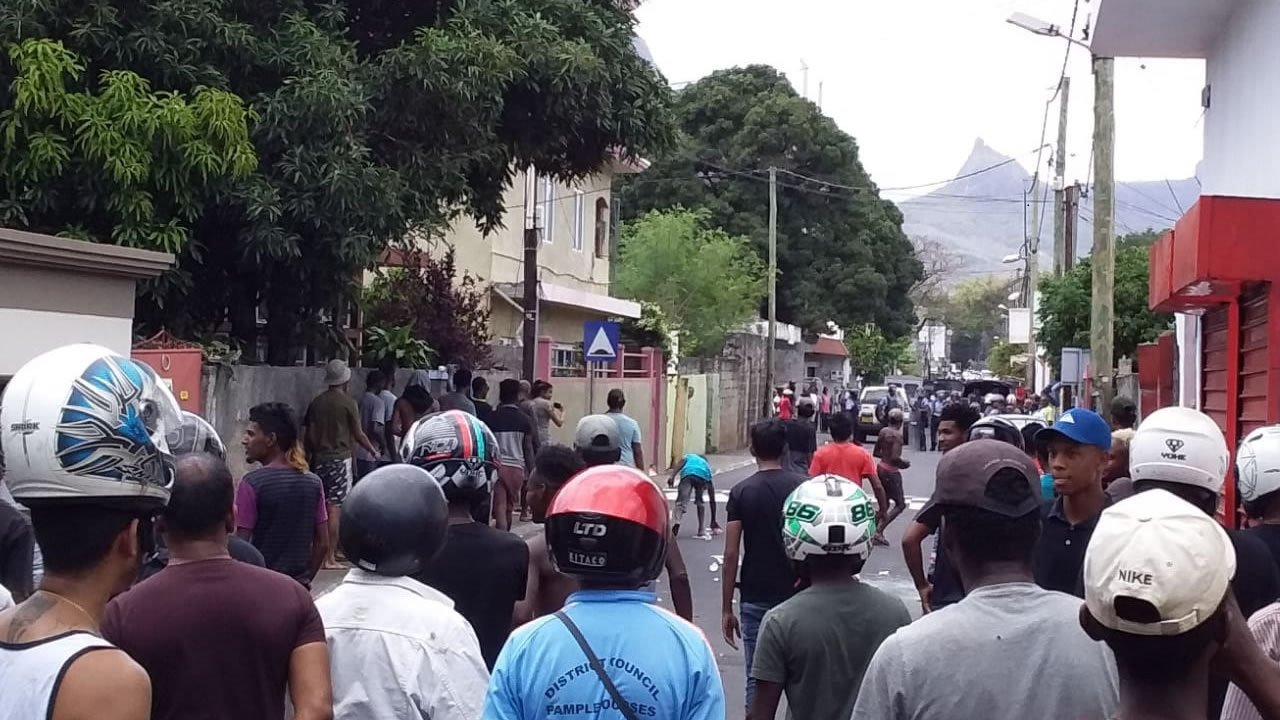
(802, 440)
(754, 514)
(482, 569)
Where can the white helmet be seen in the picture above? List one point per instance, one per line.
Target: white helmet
(1258, 463)
(195, 435)
(83, 424)
(1179, 445)
(828, 515)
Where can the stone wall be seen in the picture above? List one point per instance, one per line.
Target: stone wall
(741, 393)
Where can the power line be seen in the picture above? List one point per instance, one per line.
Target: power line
(864, 188)
(1174, 195)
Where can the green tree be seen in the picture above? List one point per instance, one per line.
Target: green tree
(1000, 359)
(1065, 305)
(972, 311)
(873, 355)
(374, 121)
(842, 255)
(706, 281)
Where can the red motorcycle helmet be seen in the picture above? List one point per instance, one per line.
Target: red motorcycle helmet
(609, 524)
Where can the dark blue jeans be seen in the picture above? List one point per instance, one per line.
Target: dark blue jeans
(752, 614)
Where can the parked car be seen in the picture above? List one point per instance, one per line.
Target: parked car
(868, 422)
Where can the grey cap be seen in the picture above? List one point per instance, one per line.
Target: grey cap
(336, 372)
(963, 475)
(597, 432)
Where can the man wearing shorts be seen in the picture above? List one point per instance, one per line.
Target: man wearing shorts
(695, 479)
(332, 430)
(889, 450)
(515, 433)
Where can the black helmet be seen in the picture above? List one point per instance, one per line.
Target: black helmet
(195, 435)
(459, 451)
(394, 521)
(609, 523)
(995, 428)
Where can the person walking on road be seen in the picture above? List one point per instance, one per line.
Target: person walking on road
(935, 419)
(754, 527)
(940, 586)
(632, 445)
(786, 404)
(373, 419)
(218, 637)
(479, 393)
(695, 479)
(802, 440)
(545, 411)
(888, 449)
(848, 459)
(817, 645)
(397, 648)
(608, 528)
(971, 660)
(280, 507)
(597, 442)
(332, 429)
(481, 568)
(516, 437)
(83, 436)
(824, 410)
(414, 404)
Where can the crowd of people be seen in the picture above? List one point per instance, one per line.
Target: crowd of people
(168, 590)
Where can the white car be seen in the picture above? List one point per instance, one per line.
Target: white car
(866, 423)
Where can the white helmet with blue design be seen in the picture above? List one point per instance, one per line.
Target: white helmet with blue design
(81, 424)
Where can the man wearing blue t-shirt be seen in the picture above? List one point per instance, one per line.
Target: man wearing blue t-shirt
(612, 651)
(695, 479)
(628, 430)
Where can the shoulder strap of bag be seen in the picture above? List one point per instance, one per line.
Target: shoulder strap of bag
(597, 666)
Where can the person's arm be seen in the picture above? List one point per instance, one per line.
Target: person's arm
(103, 684)
(319, 547)
(557, 416)
(678, 582)
(246, 510)
(637, 449)
(310, 690)
(357, 429)
(729, 578)
(525, 608)
(675, 473)
(912, 539)
(393, 449)
(769, 669)
(877, 488)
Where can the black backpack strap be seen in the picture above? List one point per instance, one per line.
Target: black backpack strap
(597, 666)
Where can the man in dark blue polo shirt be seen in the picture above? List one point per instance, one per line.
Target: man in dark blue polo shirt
(1078, 445)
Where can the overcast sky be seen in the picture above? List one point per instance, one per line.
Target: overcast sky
(916, 81)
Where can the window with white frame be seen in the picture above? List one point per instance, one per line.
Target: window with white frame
(579, 218)
(548, 209)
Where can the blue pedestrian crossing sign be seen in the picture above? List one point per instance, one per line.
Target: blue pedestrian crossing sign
(600, 340)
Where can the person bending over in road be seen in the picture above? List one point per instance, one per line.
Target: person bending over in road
(220, 638)
(481, 568)
(941, 586)
(695, 479)
(83, 431)
(888, 448)
(397, 648)
(608, 528)
(817, 645)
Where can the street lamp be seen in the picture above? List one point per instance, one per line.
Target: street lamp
(1014, 296)
(1012, 258)
(1040, 27)
(1003, 307)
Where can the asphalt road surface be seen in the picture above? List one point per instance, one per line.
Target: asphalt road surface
(885, 569)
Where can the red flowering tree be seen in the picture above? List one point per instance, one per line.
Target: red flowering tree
(449, 314)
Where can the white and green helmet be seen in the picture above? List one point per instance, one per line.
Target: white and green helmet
(828, 515)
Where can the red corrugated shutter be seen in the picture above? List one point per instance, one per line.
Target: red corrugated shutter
(1253, 358)
(1214, 364)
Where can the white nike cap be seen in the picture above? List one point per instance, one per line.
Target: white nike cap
(1157, 548)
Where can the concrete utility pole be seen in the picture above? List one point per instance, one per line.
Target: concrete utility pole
(529, 334)
(773, 290)
(1060, 180)
(1033, 270)
(1102, 316)
(1072, 212)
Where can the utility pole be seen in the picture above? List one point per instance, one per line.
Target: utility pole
(529, 335)
(1102, 315)
(804, 85)
(1033, 270)
(773, 290)
(1060, 172)
(1072, 211)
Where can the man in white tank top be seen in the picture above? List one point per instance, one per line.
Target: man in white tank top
(83, 433)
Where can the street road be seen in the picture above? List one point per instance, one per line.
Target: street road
(886, 569)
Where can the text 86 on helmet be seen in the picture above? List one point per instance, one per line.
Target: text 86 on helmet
(459, 451)
(608, 524)
(81, 424)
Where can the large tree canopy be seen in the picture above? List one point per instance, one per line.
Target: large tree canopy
(842, 255)
(372, 121)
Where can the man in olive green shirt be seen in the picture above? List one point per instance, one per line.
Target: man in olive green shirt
(331, 429)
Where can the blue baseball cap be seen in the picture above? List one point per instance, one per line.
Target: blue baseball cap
(1078, 425)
